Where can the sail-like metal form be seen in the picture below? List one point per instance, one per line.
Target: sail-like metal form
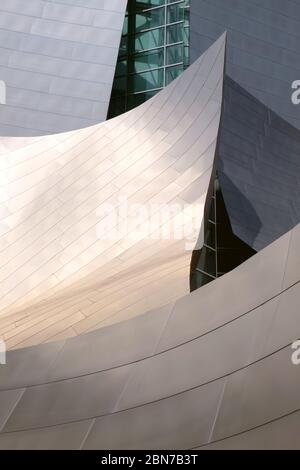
(85, 237)
(57, 60)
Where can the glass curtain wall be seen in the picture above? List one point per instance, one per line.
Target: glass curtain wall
(222, 250)
(154, 51)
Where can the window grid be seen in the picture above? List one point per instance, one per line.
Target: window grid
(221, 252)
(150, 57)
(206, 269)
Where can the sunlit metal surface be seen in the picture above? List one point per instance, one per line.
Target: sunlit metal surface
(60, 275)
(58, 62)
(212, 370)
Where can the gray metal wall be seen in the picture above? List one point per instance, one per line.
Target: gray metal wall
(211, 370)
(263, 52)
(259, 168)
(57, 58)
(259, 149)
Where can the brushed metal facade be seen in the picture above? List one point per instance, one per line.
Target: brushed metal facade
(127, 385)
(263, 54)
(240, 388)
(58, 275)
(258, 167)
(259, 143)
(57, 59)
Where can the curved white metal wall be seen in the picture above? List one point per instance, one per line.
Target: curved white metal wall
(52, 187)
(57, 59)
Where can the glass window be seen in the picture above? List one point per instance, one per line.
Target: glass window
(172, 73)
(175, 12)
(121, 68)
(186, 56)
(212, 215)
(186, 12)
(174, 33)
(174, 54)
(151, 48)
(120, 84)
(149, 40)
(148, 60)
(146, 81)
(207, 261)
(125, 25)
(199, 279)
(210, 235)
(123, 46)
(141, 4)
(150, 19)
(186, 36)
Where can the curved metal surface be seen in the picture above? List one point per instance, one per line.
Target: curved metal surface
(259, 148)
(58, 62)
(258, 168)
(216, 372)
(211, 369)
(60, 276)
(263, 46)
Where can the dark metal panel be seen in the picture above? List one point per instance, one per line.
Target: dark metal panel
(263, 46)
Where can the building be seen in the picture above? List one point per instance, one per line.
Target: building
(154, 341)
(58, 61)
(154, 51)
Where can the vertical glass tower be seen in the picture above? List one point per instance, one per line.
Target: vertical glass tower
(154, 51)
